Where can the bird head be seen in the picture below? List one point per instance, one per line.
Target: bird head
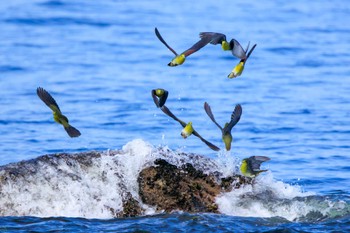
(187, 130)
(159, 92)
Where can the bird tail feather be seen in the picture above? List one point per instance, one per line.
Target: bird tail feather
(262, 171)
(72, 132)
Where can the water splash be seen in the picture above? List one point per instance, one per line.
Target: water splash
(94, 185)
(267, 198)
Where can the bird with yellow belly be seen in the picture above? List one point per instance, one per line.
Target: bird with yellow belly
(57, 114)
(179, 59)
(250, 167)
(234, 46)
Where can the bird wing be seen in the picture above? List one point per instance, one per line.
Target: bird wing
(256, 161)
(211, 146)
(163, 41)
(48, 99)
(155, 98)
(211, 115)
(235, 117)
(163, 98)
(247, 48)
(215, 38)
(250, 52)
(237, 49)
(169, 113)
(197, 46)
(159, 101)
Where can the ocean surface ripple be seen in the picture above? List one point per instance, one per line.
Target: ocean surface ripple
(100, 60)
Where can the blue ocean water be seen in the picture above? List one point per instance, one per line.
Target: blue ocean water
(101, 59)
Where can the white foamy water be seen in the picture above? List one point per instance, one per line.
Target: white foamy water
(94, 185)
(267, 197)
(66, 187)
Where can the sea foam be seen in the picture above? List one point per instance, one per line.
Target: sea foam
(94, 185)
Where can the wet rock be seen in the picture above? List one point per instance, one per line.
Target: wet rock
(236, 181)
(170, 188)
(89, 177)
(131, 208)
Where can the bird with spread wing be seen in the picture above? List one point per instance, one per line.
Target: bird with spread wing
(234, 46)
(226, 131)
(188, 129)
(250, 167)
(159, 96)
(57, 114)
(179, 59)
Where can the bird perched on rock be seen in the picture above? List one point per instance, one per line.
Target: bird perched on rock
(250, 167)
(234, 46)
(226, 131)
(159, 96)
(180, 58)
(188, 129)
(57, 114)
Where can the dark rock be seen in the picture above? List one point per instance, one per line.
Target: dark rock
(236, 182)
(170, 188)
(131, 208)
(191, 187)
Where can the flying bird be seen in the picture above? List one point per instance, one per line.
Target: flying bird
(159, 96)
(250, 167)
(238, 69)
(188, 129)
(235, 47)
(180, 58)
(219, 38)
(57, 114)
(226, 131)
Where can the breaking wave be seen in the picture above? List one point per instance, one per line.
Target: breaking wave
(94, 185)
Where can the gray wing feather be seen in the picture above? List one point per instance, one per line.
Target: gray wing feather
(159, 102)
(197, 46)
(169, 113)
(215, 38)
(211, 115)
(235, 117)
(237, 49)
(155, 98)
(46, 97)
(250, 52)
(256, 161)
(211, 146)
(163, 41)
(163, 98)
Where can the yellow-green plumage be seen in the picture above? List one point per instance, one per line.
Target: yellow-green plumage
(57, 115)
(225, 45)
(237, 70)
(226, 131)
(234, 46)
(187, 130)
(244, 168)
(159, 92)
(227, 139)
(178, 60)
(250, 167)
(159, 96)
